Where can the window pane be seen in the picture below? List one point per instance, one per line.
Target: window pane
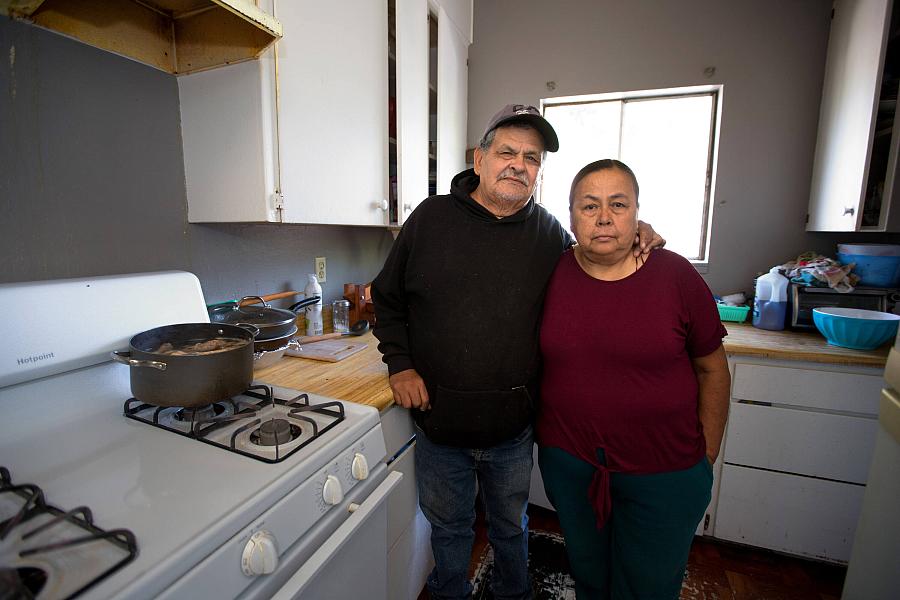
(666, 142)
(587, 132)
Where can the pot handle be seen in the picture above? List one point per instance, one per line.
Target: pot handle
(253, 329)
(125, 359)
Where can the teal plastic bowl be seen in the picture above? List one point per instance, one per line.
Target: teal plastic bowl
(854, 327)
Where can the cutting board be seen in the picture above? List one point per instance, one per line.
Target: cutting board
(332, 350)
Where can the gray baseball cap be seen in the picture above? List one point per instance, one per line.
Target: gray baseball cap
(522, 113)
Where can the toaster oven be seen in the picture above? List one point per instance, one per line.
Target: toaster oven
(803, 299)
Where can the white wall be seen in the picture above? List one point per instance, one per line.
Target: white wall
(768, 54)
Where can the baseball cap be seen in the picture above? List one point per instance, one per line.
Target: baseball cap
(522, 113)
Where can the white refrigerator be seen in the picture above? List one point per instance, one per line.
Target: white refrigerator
(874, 569)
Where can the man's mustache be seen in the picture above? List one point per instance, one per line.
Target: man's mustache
(509, 173)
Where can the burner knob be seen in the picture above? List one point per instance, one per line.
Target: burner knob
(260, 555)
(359, 467)
(331, 491)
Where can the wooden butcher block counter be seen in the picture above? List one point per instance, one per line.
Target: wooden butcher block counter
(746, 339)
(360, 378)
(363, 378)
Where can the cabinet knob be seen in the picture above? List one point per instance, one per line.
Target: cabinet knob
(383, 205)
(407, 207)
(849, 210)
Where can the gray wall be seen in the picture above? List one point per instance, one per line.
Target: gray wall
(770, 56)
(92, 182)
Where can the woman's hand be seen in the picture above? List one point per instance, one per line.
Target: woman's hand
(646, 240)
(714, 383)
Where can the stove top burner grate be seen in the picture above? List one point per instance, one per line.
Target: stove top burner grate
(35, 517)
(246, 416)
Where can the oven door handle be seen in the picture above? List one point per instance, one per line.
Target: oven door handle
(358, 517)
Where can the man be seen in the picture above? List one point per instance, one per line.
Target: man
(458, 304)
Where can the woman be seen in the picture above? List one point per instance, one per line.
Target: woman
(634, 397)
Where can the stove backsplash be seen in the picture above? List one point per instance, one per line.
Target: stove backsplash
(65, 324)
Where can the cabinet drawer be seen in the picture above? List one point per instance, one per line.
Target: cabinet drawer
(828, 390)
(788, 513)
(801, 441)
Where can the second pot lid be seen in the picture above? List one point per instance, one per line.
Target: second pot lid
(261, 316)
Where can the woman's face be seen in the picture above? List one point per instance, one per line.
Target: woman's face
(604, 214)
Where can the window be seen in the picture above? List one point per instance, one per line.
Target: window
(666, 136)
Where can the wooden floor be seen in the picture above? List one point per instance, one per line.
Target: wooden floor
(718, 570)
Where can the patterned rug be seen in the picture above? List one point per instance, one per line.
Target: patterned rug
(547, 564)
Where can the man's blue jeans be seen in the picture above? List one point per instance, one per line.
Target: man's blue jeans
(446, 479)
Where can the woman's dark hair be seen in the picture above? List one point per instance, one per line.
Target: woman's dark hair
(605, 164)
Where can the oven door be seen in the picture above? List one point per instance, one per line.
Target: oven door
(352, 562)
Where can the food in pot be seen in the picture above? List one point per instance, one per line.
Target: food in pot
(204, 347)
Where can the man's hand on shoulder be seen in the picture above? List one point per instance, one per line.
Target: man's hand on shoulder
(646, 239)
(409, 390)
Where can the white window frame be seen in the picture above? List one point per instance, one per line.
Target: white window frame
(717, 91)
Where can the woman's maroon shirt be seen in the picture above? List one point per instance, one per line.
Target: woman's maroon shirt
(617, 371)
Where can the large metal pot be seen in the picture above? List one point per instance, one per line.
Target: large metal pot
(272, 322)
(196, 378)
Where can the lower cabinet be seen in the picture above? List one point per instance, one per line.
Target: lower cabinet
(789, 513)
(409, 534)
(796, 453)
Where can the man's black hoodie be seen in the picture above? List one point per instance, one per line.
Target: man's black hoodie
(459, 298)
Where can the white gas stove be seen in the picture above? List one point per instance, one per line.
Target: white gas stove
(273, 492)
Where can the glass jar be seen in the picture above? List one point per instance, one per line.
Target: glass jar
(340, 316)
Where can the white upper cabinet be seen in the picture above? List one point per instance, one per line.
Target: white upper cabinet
(412, 107)
(856, 149)
(430, 91)
(228, 132)
(304, 135)
(332, 118)
(453, 78)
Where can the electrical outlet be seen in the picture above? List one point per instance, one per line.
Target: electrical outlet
(320, 269)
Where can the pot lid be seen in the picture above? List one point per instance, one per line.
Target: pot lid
(260, 316)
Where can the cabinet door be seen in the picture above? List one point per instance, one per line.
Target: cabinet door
(788, 513)
(847, 114)
(332, 111)
(227, 129)
(453, 77)
(412, 105)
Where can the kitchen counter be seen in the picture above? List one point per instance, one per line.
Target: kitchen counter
(360, 378)
(744, 338)
(363, 378)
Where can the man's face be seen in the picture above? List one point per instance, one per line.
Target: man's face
(604, 214)
(509, 169)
